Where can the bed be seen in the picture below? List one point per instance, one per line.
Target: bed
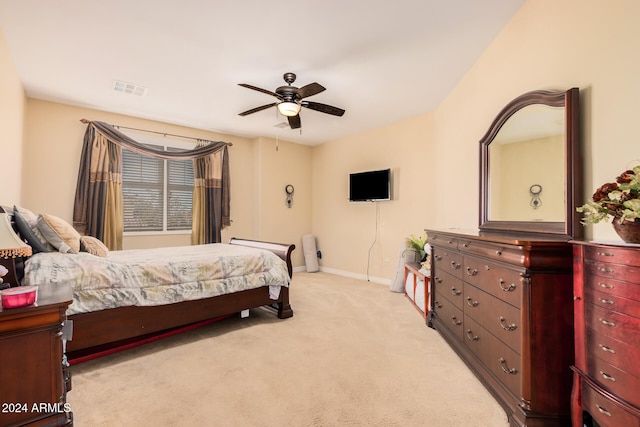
(97, 330)
(115, 304)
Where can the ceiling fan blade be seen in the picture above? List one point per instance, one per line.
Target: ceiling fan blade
(268, 92)
(255, 110)
(324, 108)
(310, 90)
(294, 122)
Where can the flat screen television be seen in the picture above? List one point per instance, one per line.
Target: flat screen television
(370, 186)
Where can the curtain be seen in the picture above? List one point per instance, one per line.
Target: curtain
(210, 196)
(98, 207)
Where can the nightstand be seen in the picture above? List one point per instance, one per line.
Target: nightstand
(34, 378)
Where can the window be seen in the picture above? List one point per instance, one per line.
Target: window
(157, 194)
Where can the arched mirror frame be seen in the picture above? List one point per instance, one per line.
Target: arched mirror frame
(571, 226)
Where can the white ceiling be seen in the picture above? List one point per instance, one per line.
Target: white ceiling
(381, 61)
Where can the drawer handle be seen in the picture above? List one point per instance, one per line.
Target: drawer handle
(472, 303)
(438, 257)
(605, 285)
(511, 327)
(607, 349)
(471, 336)
(456, 292)
(607, 376)
(437, 279)
(437, 304)
(455, 321)
(505, 367)
(498, 253)
(605, 254)
(455, 265)
(606, 301)
(471, 272)
(603, 411)
(607, 322)
(605, 270)
(465, 245)
(510, 288)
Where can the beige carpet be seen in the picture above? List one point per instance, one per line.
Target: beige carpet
(354, 354)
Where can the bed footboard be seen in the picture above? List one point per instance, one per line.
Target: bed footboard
(280, 249)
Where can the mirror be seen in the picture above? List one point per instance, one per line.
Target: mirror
(530, 166)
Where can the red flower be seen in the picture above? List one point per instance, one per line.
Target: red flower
(602, 193)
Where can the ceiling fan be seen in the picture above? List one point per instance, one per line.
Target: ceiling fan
(291, 100)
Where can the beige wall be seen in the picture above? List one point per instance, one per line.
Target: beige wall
(549, 44)
(53, 142)
(363, 238)
(12, 100)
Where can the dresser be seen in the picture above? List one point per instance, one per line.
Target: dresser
(606, 387)
(504, 303)
(34, 379)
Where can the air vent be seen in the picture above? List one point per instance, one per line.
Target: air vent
(120, 86)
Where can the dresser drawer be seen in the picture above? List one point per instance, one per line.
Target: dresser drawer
(612, 351)
(503, 283)
(449, 287)
(613, 302)
(612, 271)
(616, 325)
(505, 253)
(498, 317)
(441, 240)
(503, 362)
(612, 286)
(626, 256)
(450, 315)
(614, 379)
(604, 411)
(447, 260)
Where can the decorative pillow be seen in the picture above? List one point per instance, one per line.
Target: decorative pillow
(59, 233)
(27, 225)
(93, 246)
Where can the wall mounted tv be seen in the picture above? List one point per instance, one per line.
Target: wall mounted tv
(370, 186)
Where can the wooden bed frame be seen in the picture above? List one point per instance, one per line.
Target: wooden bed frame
(100, 331)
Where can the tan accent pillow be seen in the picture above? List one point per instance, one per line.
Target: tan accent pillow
(93, 246)
(59, 233)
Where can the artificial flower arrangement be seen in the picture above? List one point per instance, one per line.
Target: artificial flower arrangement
(618, 200)
(417, 244)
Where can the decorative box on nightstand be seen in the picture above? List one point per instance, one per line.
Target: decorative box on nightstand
(34, 379)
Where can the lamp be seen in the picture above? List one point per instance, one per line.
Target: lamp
(10, 247)
(289, 108)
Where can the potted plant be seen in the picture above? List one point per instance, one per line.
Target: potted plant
(619, 202)
(417, 244)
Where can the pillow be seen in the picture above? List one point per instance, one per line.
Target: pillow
(59, 233)
(93, 246)
(27, 225)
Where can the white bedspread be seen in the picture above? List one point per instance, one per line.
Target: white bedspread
(157, 276)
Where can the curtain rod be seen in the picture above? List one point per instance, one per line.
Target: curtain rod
(85, 121)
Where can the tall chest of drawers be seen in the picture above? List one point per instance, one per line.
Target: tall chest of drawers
(606, 388)
(504, 304)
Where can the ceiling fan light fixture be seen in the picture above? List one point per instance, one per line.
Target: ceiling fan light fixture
(289, 108)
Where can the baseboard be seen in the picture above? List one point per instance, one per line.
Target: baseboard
(379, 280)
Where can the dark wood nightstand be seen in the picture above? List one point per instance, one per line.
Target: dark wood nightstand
(34, 379)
